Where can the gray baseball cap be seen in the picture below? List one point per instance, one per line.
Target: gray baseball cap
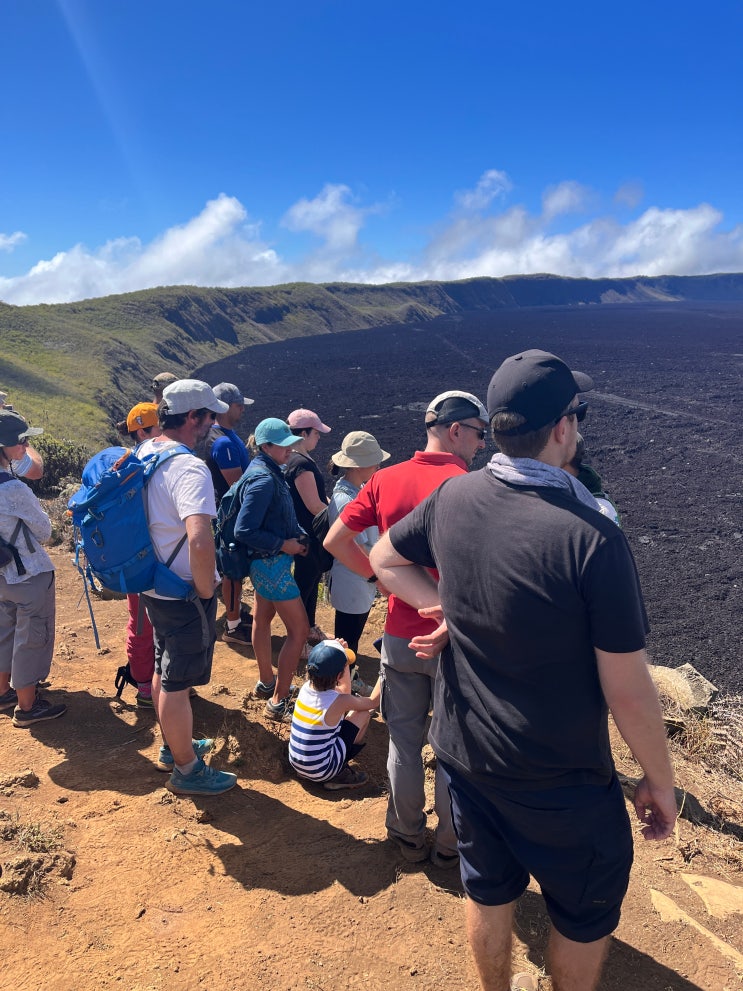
(453, 406)
(14, 429)
(230, 394)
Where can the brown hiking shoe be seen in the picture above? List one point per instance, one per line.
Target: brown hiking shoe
(347, 777)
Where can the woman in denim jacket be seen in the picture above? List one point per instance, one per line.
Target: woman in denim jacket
(268, 524)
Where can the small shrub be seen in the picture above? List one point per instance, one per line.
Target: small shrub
(63, 465)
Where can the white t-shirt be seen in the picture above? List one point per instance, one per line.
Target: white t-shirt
(180, 488)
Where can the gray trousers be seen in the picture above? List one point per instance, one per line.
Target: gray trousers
(407, 696)
(27, 628)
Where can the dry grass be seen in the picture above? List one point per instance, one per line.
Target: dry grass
(715, 738)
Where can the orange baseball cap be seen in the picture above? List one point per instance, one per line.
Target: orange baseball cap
(140, 416)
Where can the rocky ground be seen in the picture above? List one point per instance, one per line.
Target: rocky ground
(663, 429)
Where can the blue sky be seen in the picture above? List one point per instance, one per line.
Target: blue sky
(225, 142)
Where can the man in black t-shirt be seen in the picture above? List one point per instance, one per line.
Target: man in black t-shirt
(544, 632)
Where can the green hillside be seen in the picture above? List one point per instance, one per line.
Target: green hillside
(76, 368)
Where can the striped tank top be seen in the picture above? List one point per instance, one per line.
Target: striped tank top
(316, 751)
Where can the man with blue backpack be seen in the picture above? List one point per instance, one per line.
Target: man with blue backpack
(179, 500)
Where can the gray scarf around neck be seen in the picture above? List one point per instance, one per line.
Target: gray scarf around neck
(527, 472)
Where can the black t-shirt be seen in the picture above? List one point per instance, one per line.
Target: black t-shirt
(531, 581)
(295, 466)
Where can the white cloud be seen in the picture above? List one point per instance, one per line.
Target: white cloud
(9, 241)
(222, 247)
(330, 216)
(629, 194)
(491, 184)
(215, 248)
(566, 197)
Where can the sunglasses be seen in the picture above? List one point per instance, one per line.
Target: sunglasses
(579, 412)
(482, 434)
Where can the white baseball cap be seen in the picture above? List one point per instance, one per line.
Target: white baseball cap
(187, 394)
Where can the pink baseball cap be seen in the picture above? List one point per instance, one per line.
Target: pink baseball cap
(305, 419)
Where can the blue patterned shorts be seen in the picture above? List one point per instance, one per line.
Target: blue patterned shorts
(272, 578)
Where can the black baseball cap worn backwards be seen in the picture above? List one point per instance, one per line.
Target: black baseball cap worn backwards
(537, 385)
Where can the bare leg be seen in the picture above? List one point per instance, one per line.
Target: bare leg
(263, 612)
(362, 720)
(232, 595)
(176, 721)
(575, 966)
(489, 933)
(294, 617)
(26, 697)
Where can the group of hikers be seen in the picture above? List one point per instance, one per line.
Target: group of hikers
(515, 623)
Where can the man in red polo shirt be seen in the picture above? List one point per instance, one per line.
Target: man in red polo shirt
(456, 424)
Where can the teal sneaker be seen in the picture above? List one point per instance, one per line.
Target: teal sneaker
(203, 780)
(165, 760)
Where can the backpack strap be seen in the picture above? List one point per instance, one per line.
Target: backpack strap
(21, 527)
(171, 452)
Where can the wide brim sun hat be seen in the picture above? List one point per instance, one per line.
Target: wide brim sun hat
(359, 449)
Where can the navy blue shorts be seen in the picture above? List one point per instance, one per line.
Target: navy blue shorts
(348, 733)
(576, 842)
(183, 648)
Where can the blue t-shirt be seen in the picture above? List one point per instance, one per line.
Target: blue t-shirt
(224, 449)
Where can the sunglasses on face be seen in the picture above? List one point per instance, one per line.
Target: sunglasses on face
(482, 434)
(579, 412)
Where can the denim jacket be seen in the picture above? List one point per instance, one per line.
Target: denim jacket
(266, 518)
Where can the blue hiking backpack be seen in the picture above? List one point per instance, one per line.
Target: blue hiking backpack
(110, 525)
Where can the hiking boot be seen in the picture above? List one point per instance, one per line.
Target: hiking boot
(264, 691)
(281, 711)
(359, 686)
(316, 635)
(240, 635)
(413, 852)
(165, 760)
(203, 780)
(144, 701)
(347, 777)
(8, 700)
(40, 711)
(446, 861)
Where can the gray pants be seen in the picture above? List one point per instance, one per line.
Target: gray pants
(27, 628)
(407, 696)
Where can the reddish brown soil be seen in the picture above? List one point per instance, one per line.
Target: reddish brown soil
(276, 885)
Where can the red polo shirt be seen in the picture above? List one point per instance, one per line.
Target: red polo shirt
(390, 494)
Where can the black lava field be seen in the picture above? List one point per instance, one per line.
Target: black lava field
(663, 429)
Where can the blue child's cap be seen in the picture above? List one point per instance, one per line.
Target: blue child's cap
(328, 658)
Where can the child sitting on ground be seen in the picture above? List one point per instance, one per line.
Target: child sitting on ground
(323, 737)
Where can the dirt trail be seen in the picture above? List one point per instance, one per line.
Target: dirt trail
(277, 885)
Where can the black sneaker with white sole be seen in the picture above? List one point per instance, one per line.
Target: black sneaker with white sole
(281, 711)
(40, 712)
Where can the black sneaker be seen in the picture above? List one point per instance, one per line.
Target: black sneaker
(280, 712)
(8, 700)
(40, 711)
(264, 691)
(240, 635)
(347, 777)
(414, 852)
